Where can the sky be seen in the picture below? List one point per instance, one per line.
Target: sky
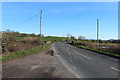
(62, 18)
(60, 0)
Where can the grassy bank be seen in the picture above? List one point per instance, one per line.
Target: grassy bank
(98, 51)
(15, 44)
(25, 52)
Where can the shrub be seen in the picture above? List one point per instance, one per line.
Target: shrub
(7, 38)
(110, 47)
(10, 45)
(32, 41)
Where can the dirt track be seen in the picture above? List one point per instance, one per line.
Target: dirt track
(41, 65)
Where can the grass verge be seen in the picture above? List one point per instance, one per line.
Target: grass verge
(25, 52)
(98, 51)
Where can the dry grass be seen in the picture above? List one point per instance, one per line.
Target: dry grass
(9, 44)
(110, 47)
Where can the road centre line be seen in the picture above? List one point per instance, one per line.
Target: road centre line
(68, 67)
(115, 69)
(74, 67)
(83, 55)
(71, 60)
(69, 56)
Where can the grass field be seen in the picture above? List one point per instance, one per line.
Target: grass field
(19, 38)
(53, 39)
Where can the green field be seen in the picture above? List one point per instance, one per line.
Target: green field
(19, 38)
(53, 39)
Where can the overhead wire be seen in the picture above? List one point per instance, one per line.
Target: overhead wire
(25, 21)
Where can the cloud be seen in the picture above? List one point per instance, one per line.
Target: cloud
(66, 10)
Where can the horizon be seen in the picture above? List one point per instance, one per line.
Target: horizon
(60, 36)
(60, 19)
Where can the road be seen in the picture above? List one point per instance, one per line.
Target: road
(86, 64)
(40, 65)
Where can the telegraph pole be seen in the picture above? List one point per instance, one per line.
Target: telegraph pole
(97, 32)
(40, 24)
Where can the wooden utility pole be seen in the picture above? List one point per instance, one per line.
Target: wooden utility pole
(40, 24)
(97, 32)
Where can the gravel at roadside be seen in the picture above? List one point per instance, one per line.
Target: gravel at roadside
(41, 65)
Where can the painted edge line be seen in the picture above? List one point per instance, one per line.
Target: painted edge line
(82, 55)
(115, 69)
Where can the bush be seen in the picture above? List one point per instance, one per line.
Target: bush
(32, 41)
(110, 47)
(11, 45)
(7, 38)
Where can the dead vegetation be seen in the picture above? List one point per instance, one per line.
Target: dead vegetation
(10, 44)
(107, 47)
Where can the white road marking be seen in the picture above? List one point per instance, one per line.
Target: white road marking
(64, 63)
(69, 69)
(74, 67)
(83, 55)
(77, 76)
(68, 53)
(35, 66)
(115, 69)
(69, 56)
(86, 57)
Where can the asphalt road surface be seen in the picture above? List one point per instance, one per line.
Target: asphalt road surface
(86, 64)
(40, 65)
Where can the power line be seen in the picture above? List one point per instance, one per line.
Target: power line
(26, 21)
